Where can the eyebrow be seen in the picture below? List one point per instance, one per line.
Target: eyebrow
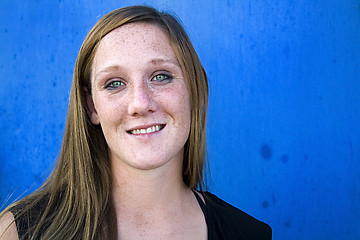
(162, 60)
(108, 69)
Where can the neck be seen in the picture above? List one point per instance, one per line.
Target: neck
(150, 190)
(155, 204)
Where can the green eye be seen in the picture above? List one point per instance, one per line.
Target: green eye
(162, 78)
(115, 84)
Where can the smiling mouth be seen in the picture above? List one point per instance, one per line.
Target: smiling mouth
(153, 129)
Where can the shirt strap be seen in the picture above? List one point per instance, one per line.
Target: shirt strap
(201, 203)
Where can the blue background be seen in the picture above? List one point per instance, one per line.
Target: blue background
(284, 121)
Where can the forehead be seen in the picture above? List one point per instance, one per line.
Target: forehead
(143, 40)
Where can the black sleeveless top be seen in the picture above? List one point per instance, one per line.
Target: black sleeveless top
(224, 222)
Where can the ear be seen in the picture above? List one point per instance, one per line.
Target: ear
(90, 107)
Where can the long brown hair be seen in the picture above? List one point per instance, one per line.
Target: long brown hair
(78, 192)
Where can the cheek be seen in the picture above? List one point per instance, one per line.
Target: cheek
(109, 110)
(184, 110)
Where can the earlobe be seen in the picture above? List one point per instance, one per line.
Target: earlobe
(90, 107)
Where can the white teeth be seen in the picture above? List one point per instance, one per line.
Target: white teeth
(152, 129)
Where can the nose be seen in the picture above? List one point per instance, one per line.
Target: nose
(141, 100)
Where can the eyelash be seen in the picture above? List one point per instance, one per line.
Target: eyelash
(167, 78)
(110, 85)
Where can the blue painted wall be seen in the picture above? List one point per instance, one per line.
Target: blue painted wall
(284, 121)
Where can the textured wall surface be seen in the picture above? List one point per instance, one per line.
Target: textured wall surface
(284, 120)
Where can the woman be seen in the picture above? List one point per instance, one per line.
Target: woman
(134, 145)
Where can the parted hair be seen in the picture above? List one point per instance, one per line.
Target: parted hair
(78, 193)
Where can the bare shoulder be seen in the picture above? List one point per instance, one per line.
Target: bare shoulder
(8, 227)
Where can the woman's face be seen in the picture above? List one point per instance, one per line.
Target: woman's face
(140, 97)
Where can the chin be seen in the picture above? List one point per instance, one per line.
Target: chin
(148, 164)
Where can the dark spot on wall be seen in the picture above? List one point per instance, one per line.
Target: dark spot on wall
(52, 58)
(54, 84)
(287, 224)
(36, 176)
(14, 56)
(306, 157)
(286, 51)
(284, 158)
(351, 149)
(6, 30)
(265, 151)
(265, 204)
